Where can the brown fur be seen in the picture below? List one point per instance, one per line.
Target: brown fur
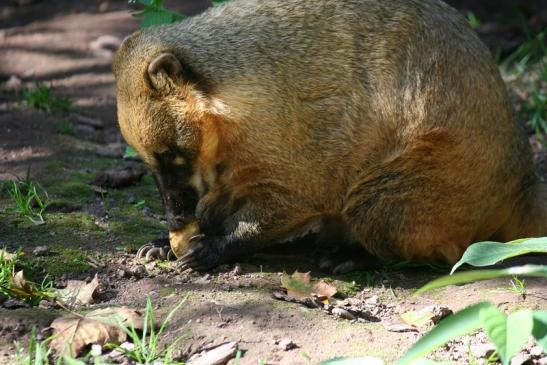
(387, 116)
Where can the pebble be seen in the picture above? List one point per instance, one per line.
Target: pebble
(205, 279)
(536, 351)
(120, 273)
(151, 265)
(13, 83)
(96, 350)
(342, 313)
(44, 304)
(14, 304)
(374, 300)
(237, 270)
(40, 251)
(286, 344)
(521, 359)
(137, 271)
(482, 350)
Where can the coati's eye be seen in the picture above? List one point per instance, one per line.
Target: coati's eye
(171, 157)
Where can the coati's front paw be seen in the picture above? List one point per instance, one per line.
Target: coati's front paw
(203, 253)
(157, 249)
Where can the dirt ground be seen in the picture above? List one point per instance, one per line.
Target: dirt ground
(69, 45)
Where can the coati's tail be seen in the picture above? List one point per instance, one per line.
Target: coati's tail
(529, 217)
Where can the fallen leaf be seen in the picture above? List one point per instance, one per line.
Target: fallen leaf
(23, 289)
(73, 333)
(20, 282)
(297, 285)
(6, 256)
(78, 292)
(425, 316)
(399, 327)
(323, 290)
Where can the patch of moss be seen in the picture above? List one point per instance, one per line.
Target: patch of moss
(63, 260)
(55, 166)
(145, 190)
(348, 289)
(75, 191)
(131, 226)
(66, 229)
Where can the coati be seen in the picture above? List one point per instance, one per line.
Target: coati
(387, 121)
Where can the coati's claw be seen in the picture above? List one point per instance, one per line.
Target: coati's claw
(155, 253)
(154, 250)
(203, 254)
(196, 238)
(143, 250)
(171, 255)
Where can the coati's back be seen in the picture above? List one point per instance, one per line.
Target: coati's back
(333, 102)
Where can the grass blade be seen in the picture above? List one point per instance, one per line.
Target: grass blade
(477, 275)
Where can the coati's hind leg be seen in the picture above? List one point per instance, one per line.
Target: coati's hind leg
(528, 217)
(414, 206)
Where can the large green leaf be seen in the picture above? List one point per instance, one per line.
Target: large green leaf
(540, 329)
(509, 333)
(353, 361)
(458, 324)
(478, 275)
(488, 253)
(152, 18)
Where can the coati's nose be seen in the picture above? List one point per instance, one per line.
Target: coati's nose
(179, 200)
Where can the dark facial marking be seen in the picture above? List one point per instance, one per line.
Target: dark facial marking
(179, 199)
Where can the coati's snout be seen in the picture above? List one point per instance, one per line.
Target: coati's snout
(180, 203)
(152, 119)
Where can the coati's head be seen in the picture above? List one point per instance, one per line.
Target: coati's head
(163, 114)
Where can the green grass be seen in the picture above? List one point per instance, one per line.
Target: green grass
(518, 286)
(473, 21)
(535, 112)
(29, 203)
(65, 127)
(14, 283)
(147, 350)
(526, 72)
(42, 98)
(531, 51)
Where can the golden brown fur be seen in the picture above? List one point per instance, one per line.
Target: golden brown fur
(387, 116)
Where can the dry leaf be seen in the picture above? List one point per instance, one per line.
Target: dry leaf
(297, 285)
(323, 290)
(78, 292)
(19, 281)
(399, 327)
(73, 333)
(425, 316)
(6, 256)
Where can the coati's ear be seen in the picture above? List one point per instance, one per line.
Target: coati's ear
(163, 68)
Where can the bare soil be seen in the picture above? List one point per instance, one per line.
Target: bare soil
(90, 230)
